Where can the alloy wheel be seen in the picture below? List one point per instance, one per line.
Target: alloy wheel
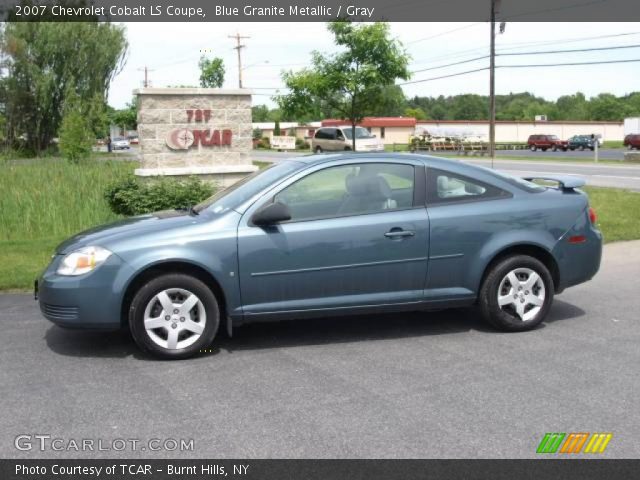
(521, 293)
(174, 318)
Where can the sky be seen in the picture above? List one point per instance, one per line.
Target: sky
(171, 52)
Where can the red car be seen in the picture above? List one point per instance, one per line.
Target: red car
(544, 142)
(632, 141)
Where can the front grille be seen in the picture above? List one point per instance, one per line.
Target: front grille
(58, 312)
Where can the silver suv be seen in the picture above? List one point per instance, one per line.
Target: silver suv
(333, 139)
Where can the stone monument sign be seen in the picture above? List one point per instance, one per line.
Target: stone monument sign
(195, 131)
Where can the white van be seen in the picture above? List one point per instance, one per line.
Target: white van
(334, 139)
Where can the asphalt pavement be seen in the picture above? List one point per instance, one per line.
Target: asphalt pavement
(418, 385)
(596, 174)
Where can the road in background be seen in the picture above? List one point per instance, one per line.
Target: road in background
(415, 385)
(596, 174)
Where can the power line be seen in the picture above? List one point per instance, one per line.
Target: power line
(444, 76)
(451, 64)
(444, 33)
(575, 50)
(519, 45)
(631, 60)
(522, 66)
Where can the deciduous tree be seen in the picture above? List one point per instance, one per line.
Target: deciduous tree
(44, 62)
(352, 81)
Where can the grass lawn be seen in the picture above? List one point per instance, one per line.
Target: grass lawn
(618, 212)
(44, 201)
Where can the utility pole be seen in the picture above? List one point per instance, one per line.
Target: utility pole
(145, 84)
(495, 7)
(239, 47)
(492, 85)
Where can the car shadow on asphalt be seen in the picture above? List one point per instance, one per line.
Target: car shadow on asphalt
(294, 333)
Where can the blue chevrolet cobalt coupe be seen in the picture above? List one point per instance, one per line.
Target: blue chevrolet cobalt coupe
(329, 235)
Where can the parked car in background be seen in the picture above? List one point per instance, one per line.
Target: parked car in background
(327, 235)
(120, 143)
(632, 141)
(580, 142)
(339, 139)
(134, 140)
(546, 142)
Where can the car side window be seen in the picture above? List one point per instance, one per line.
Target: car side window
(350, 190)
(448, 187)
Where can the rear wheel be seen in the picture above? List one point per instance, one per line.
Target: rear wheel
(174, 316)
(516, 294)
(533, 148)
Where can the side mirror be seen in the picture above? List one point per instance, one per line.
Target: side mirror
(271, 214)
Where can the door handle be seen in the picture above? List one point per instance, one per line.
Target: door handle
(393, 233)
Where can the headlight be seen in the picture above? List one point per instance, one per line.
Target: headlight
(83, 261)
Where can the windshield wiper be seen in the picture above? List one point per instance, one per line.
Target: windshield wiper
(190, 209)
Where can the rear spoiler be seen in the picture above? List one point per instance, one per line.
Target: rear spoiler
(565, 182)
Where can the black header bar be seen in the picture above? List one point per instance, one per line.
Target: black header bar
(320, 10)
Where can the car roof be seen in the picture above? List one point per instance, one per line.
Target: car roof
(429, 160)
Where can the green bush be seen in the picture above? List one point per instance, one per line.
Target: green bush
(76, 136)
(302, 144)
(265, 142)
(134, 197)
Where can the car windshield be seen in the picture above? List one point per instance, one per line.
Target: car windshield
(360, 133)
(232, 197)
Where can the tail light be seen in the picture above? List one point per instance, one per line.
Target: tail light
(592, 216)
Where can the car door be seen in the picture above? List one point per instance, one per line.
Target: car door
(358, 237)
(464, 213)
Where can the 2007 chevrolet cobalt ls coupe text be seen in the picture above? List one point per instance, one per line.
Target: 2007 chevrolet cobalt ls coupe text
(329, 235)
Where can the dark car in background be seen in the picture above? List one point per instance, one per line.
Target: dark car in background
(580, 142)
(329, 235)
(632, 141)
(546, 142)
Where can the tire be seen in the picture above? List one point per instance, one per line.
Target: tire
(185, 331)
(318, 149)
(533, 148)
(507, 318)
(571, 148)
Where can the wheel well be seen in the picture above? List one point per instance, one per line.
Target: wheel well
(534, 251)
(172, 267)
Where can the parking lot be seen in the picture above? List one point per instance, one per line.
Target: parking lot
(394, 386)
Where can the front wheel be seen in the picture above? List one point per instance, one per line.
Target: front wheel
(174, 316)
(516, 294)
(533, 148)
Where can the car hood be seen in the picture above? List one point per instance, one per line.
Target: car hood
(103, 235)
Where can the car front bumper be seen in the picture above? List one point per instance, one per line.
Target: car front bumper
(89, 301)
